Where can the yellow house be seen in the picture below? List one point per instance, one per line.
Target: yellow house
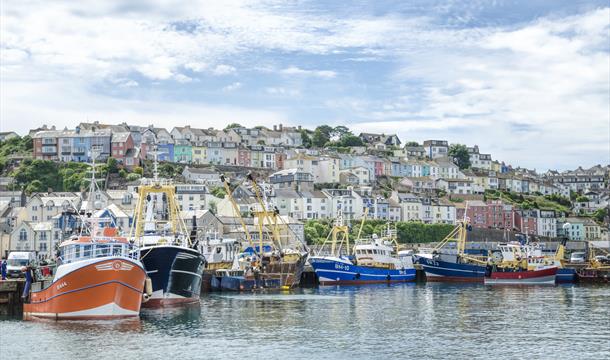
(200, 154)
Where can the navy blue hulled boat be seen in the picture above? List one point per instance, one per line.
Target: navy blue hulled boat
(170, 256)
(175, 272)
(440, 270)
(458, 267)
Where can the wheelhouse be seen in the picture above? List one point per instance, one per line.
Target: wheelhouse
(83, 251)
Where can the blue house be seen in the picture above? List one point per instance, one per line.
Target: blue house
(166, 152)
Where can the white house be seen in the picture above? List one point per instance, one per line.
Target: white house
(35, 236)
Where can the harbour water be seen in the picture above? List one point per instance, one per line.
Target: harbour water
(432, 321)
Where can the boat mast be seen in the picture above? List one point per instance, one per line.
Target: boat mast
(150, 191)
(264, 215)
(339, 228)
(225, 183)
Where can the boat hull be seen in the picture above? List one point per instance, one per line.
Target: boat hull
(102, 289)
(289, 272)
(534, 277)
(176, 275)
(438, 270)
(334, 272)
(565, 275)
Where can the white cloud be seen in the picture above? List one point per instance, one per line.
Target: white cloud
(537, 95)
(223, 69)
(67, 104)
(232, 87)
(282, 91)
(537, 88)
(293, 70)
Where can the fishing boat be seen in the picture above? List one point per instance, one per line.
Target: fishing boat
(440, 265)
(241, 280)
(596, 269)
(518, 276)
(277, 253)
(172, 259)
(536, 259)
(372, 261)
(219, 252)
(99, 275)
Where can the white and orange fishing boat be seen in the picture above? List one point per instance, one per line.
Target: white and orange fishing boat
(100, 277)
(99, 274)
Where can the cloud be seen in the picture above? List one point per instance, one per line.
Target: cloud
(281, 91)
(293, 70)
(68, 103)
(232, 87)
(515, 84)
(223, 69)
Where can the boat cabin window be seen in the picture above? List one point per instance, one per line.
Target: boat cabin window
(74, 252)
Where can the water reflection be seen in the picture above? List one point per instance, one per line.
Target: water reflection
(432, 321)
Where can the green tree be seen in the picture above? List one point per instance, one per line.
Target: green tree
(460, 156)
(412, 143)
(133, 177)
(600, 214)
(112, 165)
(350, 140)
(123, 173)
(138, 170)
(233, 126)
(218, 191)
(339, 132)
(321, 135)
(34, 186)
(582, 198)
(306, 139)
(213, 207)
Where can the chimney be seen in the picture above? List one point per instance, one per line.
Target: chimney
(24, 199)
(274, 127)
(299, 127)
(281, 127)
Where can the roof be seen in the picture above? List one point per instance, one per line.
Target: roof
(188, 214)
(287, 193)
(114, 209)
(455, 180)
(120, 137)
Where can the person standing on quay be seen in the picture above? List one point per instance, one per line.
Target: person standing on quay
(3, 268)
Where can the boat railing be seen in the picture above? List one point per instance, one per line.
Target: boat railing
(78, 252)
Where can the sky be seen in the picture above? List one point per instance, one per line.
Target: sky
(527, 81)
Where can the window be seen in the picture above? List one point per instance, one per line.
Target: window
(43, 246)
(34, 218)
(34, 208)
(43, 236)
(23, 235)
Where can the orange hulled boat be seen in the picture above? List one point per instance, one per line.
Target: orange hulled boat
(99, 277)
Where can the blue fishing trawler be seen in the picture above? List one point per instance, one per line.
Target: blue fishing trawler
(372, 261)
(459, 267)
(438, 269)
